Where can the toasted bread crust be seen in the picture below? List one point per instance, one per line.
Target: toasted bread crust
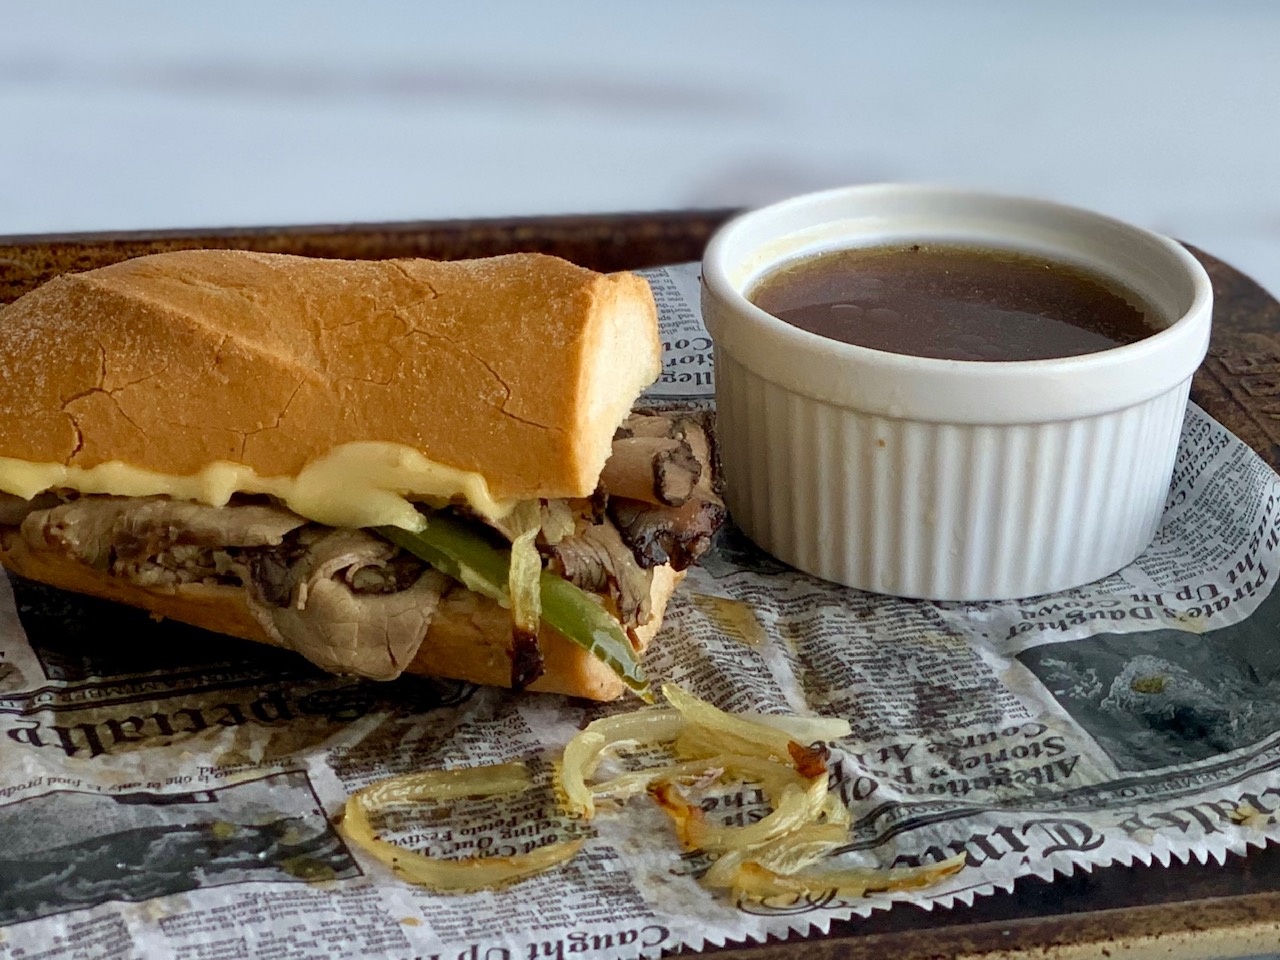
(516, 367)
(470, 639)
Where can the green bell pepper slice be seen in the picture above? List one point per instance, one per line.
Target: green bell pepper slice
(454, 548)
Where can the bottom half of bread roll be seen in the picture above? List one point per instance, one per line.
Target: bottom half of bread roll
(349, 602)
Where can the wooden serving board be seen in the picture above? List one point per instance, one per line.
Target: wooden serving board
(1179, 911)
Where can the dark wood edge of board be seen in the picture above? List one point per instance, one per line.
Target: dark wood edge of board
(1196, 909)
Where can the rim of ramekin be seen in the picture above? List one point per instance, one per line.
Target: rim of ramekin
(959, 391)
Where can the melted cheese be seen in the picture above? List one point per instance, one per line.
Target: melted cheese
(354, 485)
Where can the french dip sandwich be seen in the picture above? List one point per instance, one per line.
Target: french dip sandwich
(385, 466)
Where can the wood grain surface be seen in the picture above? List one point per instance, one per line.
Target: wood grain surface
(1181, 911)
(1239, 382)
(614, 242)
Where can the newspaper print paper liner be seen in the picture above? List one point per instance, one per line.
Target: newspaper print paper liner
(1135, 720)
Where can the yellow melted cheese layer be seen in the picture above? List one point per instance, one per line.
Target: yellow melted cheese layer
(354, 485)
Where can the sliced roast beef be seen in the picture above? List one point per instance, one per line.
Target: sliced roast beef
(13, 510)
(676, 535)
(129, 534)
(596, 559)
(658, 469)
(285, 575)
(657, 458)
(345, 599)
(374, 635)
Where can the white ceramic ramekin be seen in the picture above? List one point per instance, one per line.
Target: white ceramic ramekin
(948, 479)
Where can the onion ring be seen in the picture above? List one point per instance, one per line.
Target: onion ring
(448, 876)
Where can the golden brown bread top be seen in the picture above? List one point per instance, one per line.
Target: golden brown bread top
(516, 367)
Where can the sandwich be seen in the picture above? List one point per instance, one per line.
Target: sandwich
(385, 466)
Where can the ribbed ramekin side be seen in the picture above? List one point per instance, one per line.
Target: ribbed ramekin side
(946, 511)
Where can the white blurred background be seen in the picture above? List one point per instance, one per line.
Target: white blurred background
(142, 113)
